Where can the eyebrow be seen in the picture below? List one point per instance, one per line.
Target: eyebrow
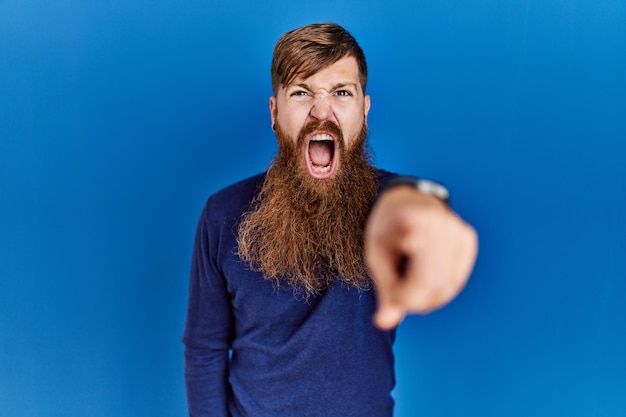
(334, 87)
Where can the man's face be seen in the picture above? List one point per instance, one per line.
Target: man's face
(332, 96)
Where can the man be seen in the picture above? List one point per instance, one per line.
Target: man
(280, 311)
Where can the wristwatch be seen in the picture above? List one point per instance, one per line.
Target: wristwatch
(424, 186)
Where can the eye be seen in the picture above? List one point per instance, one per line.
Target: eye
(299, 93)
(343, 93)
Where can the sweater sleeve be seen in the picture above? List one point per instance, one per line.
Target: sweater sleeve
(208, 329)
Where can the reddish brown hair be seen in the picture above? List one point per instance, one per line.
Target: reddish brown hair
(309, 49)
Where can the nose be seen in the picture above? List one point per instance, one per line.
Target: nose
(321, 109)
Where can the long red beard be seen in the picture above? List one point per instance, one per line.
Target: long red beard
(308, 232)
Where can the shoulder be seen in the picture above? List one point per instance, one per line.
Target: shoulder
(233, 200)
(240, 192)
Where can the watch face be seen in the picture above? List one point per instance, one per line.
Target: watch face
(430, 187)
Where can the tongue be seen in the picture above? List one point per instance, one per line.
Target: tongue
(320, 153)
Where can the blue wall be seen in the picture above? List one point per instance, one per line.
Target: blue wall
(118, 119)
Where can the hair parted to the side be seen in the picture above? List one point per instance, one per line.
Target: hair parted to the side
(309, 49)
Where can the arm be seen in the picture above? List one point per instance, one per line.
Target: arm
(419, 253)
(208, 334)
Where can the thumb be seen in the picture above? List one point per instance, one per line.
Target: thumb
(388, 316)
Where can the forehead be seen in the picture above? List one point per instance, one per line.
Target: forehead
(345, 71)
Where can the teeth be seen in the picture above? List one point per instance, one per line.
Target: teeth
(321, 137)
(322, 169)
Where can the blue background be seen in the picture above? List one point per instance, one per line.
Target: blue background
(119, 118)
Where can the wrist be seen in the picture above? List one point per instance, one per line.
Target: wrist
(424, 186)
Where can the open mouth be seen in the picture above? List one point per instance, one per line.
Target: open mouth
(320, 155)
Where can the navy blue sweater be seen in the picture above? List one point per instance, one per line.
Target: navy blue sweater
(254, 350)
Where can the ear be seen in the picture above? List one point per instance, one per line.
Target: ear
(273, 111)
(366, 106)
